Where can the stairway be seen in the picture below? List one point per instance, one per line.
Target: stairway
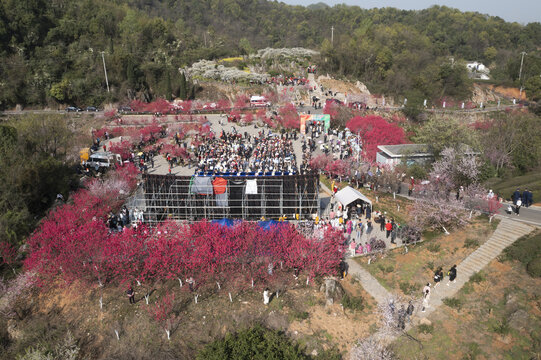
(507, 232)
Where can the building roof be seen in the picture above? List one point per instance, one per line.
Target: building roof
(403, 150)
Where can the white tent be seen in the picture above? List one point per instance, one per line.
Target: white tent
(348, 195)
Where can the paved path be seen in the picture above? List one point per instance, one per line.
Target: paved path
(507, 232)
(368, 282)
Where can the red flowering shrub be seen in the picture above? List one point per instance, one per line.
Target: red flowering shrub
(374, 131)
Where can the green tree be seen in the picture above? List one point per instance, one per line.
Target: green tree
(183, 87)
(440, 132)
(168, 87)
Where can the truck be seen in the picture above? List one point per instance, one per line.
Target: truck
(103, 160)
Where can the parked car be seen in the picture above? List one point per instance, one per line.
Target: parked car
(73, 109)
(91, 108)
(125, 109)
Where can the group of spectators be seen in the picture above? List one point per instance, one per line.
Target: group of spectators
(287, 81)
(234, 152)
(124, 218)
(522, 199)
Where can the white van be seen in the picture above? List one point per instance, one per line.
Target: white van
(103, 160)
(259, 101)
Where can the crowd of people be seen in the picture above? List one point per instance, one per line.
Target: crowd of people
(236, 153)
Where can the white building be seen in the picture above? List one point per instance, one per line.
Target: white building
(408, 154)
(478, 70)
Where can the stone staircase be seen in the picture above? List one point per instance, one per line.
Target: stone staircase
(507, 232)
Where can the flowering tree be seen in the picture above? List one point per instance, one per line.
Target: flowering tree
(453, 170)
(289, 117)
(320, 162)
(375, 130)
(439, 213)
(248, 117)
(162, 310)
(123, 148)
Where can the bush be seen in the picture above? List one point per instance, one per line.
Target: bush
(471, 243)
(353, 303)
(300, 315)
(477, 277)
(426, 329)
(407, 288)
(388, 269)
(454, 303)
(474, 350)
(502, 327)
(254, 343)
(433, 247)
(534, 267)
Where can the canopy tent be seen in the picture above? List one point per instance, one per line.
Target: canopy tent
(348, 195)
(269, 224)
(223, 222)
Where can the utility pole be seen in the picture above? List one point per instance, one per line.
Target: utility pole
(105, 69)
(520, 73)
(332, 35)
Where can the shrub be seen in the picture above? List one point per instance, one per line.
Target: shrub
(300, 315)
(477, 277)
(254, 343)
(433, 247)
(502, 327)
(474, 350)
(534, 267)
(407, 288)
(426, 329)
(353, 303)
(471, 243)
(454, 303)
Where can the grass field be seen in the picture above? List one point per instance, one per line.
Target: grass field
(506, 187)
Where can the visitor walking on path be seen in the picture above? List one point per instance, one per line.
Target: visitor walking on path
(438, 276)
(517, 206)
(516, 196)
(426, 296)
(452, 274)
(409, 310)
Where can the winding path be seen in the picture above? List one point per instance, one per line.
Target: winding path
(507, 232)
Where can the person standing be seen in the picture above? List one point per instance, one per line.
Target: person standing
(131, 295)
(452, 274)
(402, 318)
(516, 196)
(426, 296)
(368, 212)
(382, 220)
(266, 296)
(409, 310)
(388, 229)
(530, 199)
(368, 227)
